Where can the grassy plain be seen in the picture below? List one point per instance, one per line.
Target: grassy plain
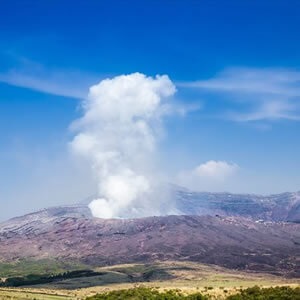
(189, 277)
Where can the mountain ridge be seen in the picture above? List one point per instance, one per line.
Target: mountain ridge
(274, 207)
(232, 231)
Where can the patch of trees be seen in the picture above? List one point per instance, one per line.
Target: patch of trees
(254, 293)
(273, 293)
(33, 279)
(143, 293)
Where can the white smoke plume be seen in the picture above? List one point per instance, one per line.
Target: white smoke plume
(117, 135)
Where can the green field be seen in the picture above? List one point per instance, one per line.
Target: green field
(48, 266)
(188, 277)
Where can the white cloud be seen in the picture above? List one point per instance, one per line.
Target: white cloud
(217, 170)
(117, 136)
(210, 176)
(261, 94)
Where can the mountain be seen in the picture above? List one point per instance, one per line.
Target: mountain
(231, 242)
(279, 207)
(245, 232)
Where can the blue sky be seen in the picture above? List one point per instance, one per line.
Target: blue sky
(236, 63)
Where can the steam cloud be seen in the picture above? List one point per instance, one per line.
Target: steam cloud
(117, 135)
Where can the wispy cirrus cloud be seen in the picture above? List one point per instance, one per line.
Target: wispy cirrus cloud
(260, 94)
(31, 75)
(270, 110)
(34, 76)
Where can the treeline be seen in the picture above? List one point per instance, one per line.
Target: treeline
(254, 293)
(143, 293)
(33, 279)
(273, 293)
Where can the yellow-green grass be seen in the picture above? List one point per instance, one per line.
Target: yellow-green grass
(189, 277)
(37, 294)
(192, 277)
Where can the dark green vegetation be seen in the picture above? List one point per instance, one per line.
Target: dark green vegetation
(146, 272)
(254, 293)
(34, 279)
(145, 294)
(24, 267)
(273, 293)
(35, 273)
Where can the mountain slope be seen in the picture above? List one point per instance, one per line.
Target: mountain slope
(280, 207)
(247, 232)
(230, 242)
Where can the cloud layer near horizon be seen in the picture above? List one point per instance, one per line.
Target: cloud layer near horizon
(209, 176)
